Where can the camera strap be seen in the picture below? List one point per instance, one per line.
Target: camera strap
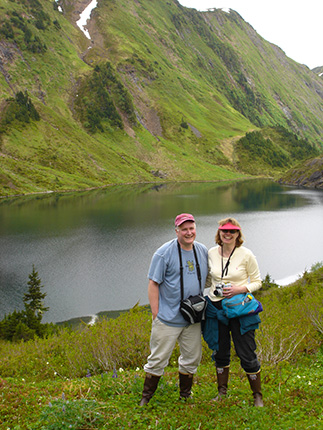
(226, 267)
(198, 271)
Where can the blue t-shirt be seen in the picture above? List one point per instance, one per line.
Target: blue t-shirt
(165, 270)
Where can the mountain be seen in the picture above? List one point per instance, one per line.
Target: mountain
(159, 93)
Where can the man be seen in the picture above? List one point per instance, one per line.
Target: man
(164, 293)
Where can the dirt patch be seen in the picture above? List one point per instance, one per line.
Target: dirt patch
(8, 53)
(227, 146)
(148, 118)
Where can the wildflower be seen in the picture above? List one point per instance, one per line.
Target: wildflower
(121, 370)
(63, 396)
(63, 408)
(137, 370)
(50, 405)
(88, 375)
(23, 379)
(115, 375)
(309, 383)
(298, 377)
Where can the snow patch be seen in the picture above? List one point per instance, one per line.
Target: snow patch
(59, 7)
(85, 15)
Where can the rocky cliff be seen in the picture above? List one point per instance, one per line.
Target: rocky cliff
(309, 174)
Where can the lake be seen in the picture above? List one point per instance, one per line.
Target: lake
(92, 249)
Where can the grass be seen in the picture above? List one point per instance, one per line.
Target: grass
(91, 377)
(292, 396)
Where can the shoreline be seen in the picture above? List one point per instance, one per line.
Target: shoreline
(102, 187)
(92, 319)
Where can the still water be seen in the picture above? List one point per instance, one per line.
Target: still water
(92, 250)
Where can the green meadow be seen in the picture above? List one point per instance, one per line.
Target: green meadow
(91, 377)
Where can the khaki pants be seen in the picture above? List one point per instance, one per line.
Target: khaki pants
(162, 342)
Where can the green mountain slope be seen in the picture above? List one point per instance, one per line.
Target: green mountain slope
(160, 92)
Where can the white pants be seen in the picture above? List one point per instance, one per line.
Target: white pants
(162, 342)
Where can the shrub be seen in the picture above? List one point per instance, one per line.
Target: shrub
(101, 97)
(6, 30)
(110, 344)
(260, 148)
(21, 109)
(292, 320)
(10, 323)
(77, 414)
(17, 28)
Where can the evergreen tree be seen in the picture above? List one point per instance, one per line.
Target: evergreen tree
(26, 324)
(23, 332)
(10, 323)
(34, 298)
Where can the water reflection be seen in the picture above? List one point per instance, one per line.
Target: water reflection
(92, 249)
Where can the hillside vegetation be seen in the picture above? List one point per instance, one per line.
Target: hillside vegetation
(159, 93)
(92, 378)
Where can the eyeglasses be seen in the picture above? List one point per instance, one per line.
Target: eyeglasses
(229, 231)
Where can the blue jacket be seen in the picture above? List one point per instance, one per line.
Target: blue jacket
(210, 327)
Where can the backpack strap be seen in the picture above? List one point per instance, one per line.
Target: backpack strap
(198, 270)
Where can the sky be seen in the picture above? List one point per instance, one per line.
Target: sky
(293, 25)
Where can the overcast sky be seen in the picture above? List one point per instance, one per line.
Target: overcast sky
(294, 25)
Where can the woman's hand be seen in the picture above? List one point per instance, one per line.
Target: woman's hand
(233, 290)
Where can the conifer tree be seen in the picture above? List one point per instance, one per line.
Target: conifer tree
(26, 324)
(34, 298)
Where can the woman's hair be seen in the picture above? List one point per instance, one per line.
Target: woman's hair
(239, 240)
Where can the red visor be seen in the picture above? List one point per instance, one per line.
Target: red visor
(229, 226)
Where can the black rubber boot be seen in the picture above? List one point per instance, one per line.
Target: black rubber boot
(222, 374)
(185, 385)
(255, 385)
(150, 386)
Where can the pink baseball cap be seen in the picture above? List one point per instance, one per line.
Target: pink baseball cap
(229, 226)
(182, 218)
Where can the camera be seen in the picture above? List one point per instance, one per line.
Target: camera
(218, 291)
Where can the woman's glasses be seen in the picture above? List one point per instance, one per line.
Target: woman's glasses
(229, 231)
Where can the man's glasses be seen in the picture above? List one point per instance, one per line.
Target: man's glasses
(229, 231)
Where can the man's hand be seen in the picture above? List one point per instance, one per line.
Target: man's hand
(153, 296)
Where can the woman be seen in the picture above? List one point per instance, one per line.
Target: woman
(233, 264)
